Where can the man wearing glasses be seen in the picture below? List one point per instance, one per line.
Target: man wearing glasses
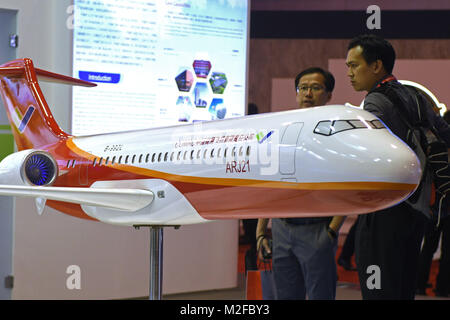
(314, 87)
(304, 248)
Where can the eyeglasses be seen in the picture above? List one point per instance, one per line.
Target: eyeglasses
(314, 88)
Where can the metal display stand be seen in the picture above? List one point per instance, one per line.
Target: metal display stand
(156, 260)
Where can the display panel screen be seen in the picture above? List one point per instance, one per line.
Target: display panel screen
(158, 63)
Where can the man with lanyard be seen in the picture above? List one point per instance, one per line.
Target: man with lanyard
(304, 249)
(387, 242)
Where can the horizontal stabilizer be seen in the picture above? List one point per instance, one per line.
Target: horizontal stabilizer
(44, 75)
(48, 76)
(119, 199)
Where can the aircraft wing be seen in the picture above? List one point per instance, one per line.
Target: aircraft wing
(120, 199)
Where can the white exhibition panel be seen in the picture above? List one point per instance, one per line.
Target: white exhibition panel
(113, 260)
(158, 63)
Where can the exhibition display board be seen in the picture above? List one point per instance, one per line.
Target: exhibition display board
(158, 63)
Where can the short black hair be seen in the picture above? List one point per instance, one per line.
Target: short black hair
(375, 48)
(329, 78)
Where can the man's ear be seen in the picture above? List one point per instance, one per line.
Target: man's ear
(377, 66)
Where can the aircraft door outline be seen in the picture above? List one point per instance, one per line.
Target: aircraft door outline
(288, 148)
(83, 173)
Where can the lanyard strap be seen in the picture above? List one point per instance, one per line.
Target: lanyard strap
(388, 79)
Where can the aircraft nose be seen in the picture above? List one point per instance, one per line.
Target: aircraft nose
(386, 158)
(363, 171)
(369, 156)
(411, 164)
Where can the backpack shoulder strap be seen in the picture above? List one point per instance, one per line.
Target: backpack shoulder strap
(390, 92)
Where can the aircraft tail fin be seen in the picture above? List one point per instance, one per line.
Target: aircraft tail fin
(31, 120)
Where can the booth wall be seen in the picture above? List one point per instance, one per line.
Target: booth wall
(327, 5)
(285, 58)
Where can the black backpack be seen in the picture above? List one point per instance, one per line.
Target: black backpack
(431, 150)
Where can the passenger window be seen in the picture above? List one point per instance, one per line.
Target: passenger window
(120, 160)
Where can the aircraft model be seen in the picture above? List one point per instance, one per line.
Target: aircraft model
(322, 161)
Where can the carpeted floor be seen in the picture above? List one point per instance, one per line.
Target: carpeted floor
(344, 276)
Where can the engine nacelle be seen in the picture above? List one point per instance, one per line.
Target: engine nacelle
(28, 167)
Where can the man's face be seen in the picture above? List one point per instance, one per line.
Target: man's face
(362, 76)
(311, 91)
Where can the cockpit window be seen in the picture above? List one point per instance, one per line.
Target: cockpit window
(323, 127)
(357, 123)
(340, 125)
(377, 124)
(328, 128)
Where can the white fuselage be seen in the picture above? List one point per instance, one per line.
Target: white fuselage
(285, 150)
